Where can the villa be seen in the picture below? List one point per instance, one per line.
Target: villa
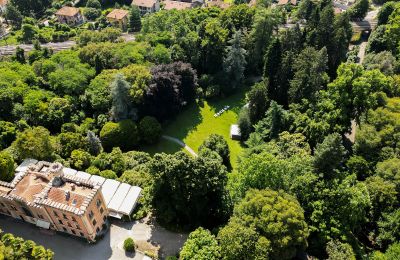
(62, 199)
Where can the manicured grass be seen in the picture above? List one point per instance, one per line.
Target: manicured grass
(197, 122)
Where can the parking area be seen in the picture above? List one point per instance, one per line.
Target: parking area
(110, 247)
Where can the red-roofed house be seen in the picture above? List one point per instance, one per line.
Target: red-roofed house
(147, 6)
(118, 17)
(69, 15)
(169, 5)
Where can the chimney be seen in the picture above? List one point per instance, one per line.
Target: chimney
(67, 195)
(73, 187)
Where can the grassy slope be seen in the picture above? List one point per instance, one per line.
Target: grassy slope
(197, 122)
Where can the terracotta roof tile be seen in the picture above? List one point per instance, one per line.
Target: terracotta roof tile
(68, 11)
(118, 14)
(58, 195)
(144, 3)
(169, 5)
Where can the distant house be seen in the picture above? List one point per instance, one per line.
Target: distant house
(217, 3)
(69, 15)
(147, 6)
(119, 18)
(3, 4)
(235, 132)
(169, 5)
(337, 10)
(286, 2)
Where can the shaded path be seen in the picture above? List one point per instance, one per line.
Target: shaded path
(181, 143)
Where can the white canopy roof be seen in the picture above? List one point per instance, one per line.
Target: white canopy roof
(130, 200)
(109, 188)
(119, 196)
(95, 178)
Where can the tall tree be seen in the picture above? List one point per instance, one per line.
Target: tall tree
(234, 62)
(200, 199)
(201, 244)
(309, 74)
(265, 21)
(273, 59)
(135, 23)
(359, 10)
(276, 217)
(121, 102)
(94, 143)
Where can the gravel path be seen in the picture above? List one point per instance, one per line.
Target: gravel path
(181, 143)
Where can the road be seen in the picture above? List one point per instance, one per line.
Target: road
(67, 247)
(55, 46)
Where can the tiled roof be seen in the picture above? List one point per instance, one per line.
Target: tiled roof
(29, 186)
(169, 5)
(3, 2)
(67, 11)
(118, 14)
(73, 200)
(285, 2)
(144, 3)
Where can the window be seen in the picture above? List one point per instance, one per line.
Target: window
(59, 221)
(80, 233)
(65, 216)
(65, 230)
(2, 204)
(69, 224)
(55, 213)
(91, 214)
(13, 208)
(97, 230)
(40, 216)
(94, 222)
(101, 210)
(98, 203)
(105, 218)
(78, 227)
(73, 232)
(27, 212)
(73, 219)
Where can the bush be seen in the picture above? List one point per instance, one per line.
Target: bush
(129, 245)
(6, 166)
(150, 130)
(123, 134)
(108, 174)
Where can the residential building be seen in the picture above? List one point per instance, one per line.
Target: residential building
(169, 5)
(119, 18)
(147, 6)
(217, 3)
(287, 2)
(3, 4)
(69, 15)
(44, 195)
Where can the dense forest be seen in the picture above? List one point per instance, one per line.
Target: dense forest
(303, 186)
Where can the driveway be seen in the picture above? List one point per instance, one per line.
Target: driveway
(110, 247)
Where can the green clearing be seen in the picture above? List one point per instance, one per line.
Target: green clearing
(197, 122)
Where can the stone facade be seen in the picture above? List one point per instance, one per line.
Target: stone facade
(45, 196)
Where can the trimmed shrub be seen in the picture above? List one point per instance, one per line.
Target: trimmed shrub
(129, 245)
(123, 134)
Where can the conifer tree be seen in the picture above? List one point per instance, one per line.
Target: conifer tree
(235, 61)
(135, 24)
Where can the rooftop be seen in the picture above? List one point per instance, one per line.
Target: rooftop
(285, 2)
(67, 11)
(118, 14)
(144, 3)
(169, 5)
(3, 2)
(44, 183)
(30, 186)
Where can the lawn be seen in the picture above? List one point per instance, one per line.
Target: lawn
(197, 122)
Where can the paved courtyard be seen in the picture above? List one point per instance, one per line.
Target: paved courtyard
(110, 247)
